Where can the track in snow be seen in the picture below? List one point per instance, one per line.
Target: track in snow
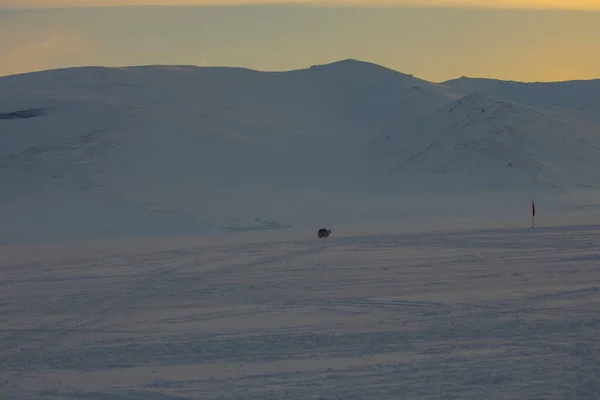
(495, 314)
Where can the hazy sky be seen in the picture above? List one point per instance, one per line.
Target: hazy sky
(523, 40)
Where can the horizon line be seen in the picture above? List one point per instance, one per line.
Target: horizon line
(133, 66)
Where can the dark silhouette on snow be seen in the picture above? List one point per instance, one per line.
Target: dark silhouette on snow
(323, 233)
(24, 114)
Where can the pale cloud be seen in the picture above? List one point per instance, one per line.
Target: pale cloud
(514, 4)
(44, 49)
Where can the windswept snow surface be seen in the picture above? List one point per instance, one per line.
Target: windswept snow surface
(474, 314)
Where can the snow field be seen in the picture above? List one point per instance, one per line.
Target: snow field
(479, 314)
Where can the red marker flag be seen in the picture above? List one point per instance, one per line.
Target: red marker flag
(532, 208)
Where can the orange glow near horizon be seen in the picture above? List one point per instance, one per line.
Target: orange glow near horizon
(432, 43)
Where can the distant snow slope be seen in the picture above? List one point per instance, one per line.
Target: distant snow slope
(479, 141)
(93, 151)
(569, 96)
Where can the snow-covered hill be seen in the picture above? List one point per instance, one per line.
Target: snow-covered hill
(479, 141)
(574, 97)
(96, 151)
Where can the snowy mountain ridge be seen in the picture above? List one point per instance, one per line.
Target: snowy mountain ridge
(184, 150)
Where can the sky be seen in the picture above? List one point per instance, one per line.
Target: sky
(437, 40)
